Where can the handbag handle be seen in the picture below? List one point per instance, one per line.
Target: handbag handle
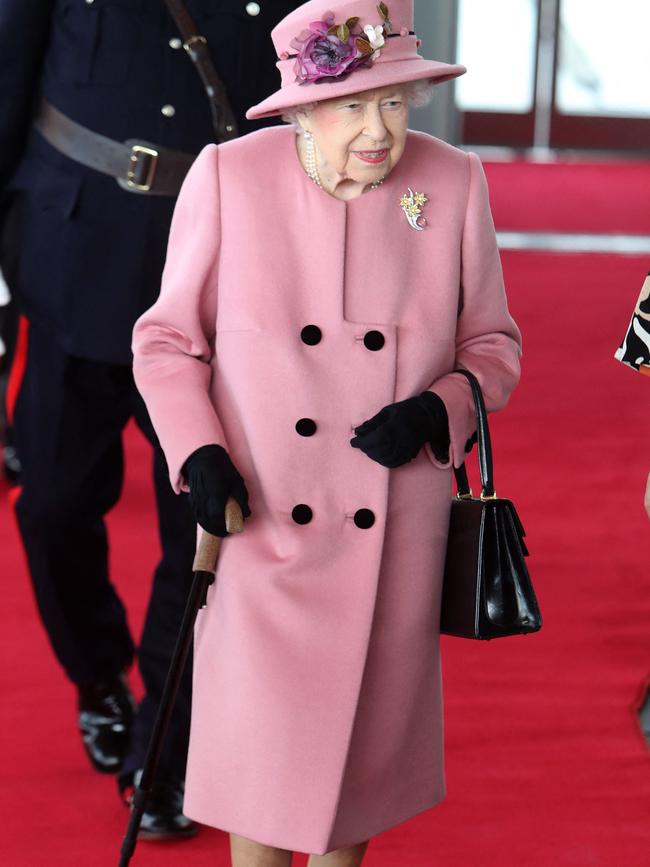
(485, 464)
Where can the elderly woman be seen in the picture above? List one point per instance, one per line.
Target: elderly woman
(322, 282)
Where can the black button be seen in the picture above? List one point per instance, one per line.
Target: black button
(311, 335)
(374, 340)
(364, 518)
(306, 427)
(302, 514)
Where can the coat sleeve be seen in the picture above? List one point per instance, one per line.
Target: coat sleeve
(173, 341)
(488, 342)
(24, 32)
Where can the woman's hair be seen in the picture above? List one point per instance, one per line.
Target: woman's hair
(418, 94)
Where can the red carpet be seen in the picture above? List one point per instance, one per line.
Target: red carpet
(571, 197)
(546, 766)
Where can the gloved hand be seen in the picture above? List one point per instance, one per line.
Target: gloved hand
(397, 433)
(471, 442)
(212, 477)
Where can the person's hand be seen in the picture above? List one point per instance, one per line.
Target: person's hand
(646, 499)
(212, 477)
(397, 433)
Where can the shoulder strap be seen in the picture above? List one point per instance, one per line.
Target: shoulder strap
(223, 118)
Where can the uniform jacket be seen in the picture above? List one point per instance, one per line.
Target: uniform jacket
(92, 252)
(317, 700)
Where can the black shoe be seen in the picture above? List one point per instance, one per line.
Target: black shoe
(163, 817)
(105, 718)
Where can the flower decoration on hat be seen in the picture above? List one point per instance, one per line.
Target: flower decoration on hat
(328, 51)
(383, 11)
(375, 36)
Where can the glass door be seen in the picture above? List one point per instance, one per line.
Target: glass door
(602, 79)
(498, 43)
(555, 73)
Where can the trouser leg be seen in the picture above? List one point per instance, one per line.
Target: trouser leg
(171, 586)
(10, 226)
(10, 234)
(68, 421)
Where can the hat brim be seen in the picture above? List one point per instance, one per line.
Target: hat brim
(376, 76)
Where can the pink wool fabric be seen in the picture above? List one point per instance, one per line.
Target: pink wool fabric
(317, 714)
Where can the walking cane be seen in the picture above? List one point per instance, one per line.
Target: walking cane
(205, 563)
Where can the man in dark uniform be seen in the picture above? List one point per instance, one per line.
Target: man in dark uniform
(91, 256)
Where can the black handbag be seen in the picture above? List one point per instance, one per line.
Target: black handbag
(487, 592)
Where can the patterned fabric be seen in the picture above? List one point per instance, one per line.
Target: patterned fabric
(635, 349)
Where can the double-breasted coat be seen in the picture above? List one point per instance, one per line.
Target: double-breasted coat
(317, 716)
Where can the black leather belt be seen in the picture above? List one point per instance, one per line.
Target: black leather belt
(138, 166)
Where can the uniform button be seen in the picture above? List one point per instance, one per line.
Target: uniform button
(374, 340)
(364, 518)
(90, 2)
(175, 42)
(302, 514)
(311, 335)
(306, 427)
(168, 110)
(253, 8)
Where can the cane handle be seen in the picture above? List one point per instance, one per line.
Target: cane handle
(234, 517)
(207, 552)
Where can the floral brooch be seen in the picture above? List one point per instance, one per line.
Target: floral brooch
(412, 203)
(328, 51)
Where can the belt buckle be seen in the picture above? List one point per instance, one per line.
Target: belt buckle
(138, 151)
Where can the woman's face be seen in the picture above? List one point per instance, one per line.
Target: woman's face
(359, 138)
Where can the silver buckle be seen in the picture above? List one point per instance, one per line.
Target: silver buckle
(194, 40)
(136, 152)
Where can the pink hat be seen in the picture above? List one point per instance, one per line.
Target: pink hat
(328, 49)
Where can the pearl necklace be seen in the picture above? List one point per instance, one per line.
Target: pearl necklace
(311, 167)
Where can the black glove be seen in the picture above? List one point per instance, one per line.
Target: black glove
(397, 433)
(212, 477)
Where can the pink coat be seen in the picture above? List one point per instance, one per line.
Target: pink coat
(317, 718)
